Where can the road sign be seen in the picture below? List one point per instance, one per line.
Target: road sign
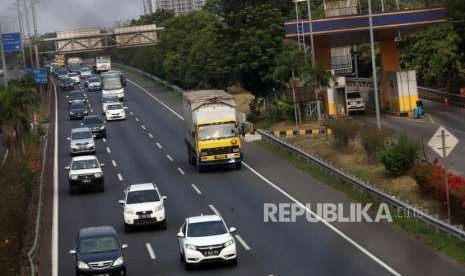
(11, 42)
(443, 142)
(41, 76)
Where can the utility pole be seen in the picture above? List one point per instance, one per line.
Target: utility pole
(28, 25)
(21, 31)
(2, 50)
(373, 64)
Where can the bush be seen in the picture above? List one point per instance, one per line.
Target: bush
(400, 156)
(373, 141)
(344, 131)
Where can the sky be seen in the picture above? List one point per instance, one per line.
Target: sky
(59, 15)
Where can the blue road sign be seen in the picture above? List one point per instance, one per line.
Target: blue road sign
(11, 42)
(41, 76)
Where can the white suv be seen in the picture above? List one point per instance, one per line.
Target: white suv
(206, 238)
(115, 111)
(143, 205)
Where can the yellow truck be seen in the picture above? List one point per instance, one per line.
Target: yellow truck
(211, 129)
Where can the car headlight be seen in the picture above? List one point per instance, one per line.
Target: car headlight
(190, 246)
(98, 175)
(74, 177)
(159, 208)
(82, 265)
(119, 261)
(129, 211)
(228, 243)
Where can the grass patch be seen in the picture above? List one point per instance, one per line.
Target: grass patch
(449, 246)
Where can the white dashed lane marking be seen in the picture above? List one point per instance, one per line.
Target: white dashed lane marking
(196, 189)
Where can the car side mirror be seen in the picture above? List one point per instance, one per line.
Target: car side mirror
(68, 138)
(124, 246)
(164, 198)
(67, 168)
(180, 235)
(121, 202)
(72, 252)
(102, 164)
(232, 230)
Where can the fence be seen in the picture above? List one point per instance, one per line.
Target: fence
(366, 187)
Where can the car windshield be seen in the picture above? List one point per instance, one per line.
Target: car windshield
(77, 106)
(81, 135)
(113, 82)
(142, 196)
(93, 121)
(218, 131)
(98, 245)
(114, 107)
(85, 164)
(353, 95)
(76, 95)
(207, 228)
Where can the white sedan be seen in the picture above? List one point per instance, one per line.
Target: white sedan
(115, 111)
(205, 239)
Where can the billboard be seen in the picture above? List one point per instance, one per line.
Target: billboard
(11, 42)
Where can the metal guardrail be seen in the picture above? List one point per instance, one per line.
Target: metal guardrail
(435, 95)
(389, 199)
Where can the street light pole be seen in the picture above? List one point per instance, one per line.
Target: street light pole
(373, 64)
(2, 53)
(21, 30)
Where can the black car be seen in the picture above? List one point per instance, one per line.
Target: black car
(98, 251)
(77, 96)
(60, 72)
(77, 110)
(96, 124)
(66, 84)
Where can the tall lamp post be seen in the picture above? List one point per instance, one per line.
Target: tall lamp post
(373, 64)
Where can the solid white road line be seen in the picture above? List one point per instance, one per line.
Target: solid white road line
(327, 224)
(169, 157)
(104, 140)
(214, 210)
(114, 163)
(143, 127)
(150, 135)
(120, 177)
(330, 226)
(197, 190)
(242, 242)
(108, 150)
(159, 146)
(181, 171)
(150, 250)
(55, 192)
(156, 99)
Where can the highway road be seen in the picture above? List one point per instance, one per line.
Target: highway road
(149, 147)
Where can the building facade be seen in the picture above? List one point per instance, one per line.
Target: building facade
(178, 6)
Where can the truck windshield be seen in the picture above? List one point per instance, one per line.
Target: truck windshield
(110, 83)
(218, 131)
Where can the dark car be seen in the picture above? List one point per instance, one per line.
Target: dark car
(77, 96)
(96, 124)
(60, 72)
(66, 83)
(77, 110)
(98, 251)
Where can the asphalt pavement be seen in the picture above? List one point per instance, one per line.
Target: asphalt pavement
(149, 147)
